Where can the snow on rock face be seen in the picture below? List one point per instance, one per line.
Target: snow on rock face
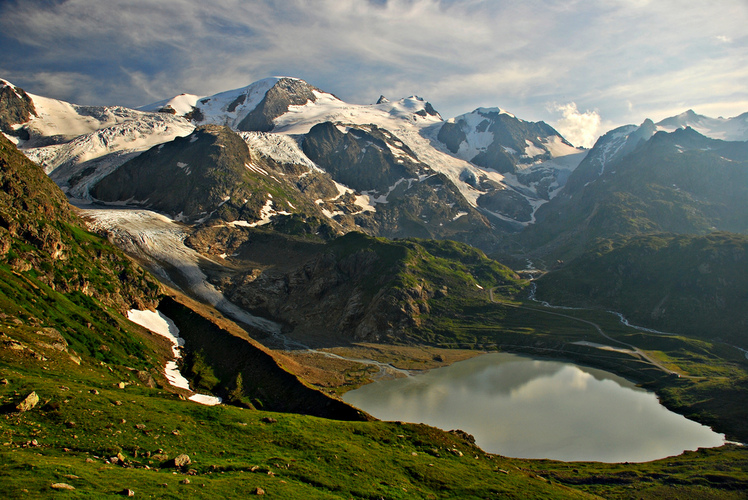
(532, 150)
(231, 107)
(726, 129)
(267, 212)
(181, 104)
(281, 148)
(160, 324)
(494, 138)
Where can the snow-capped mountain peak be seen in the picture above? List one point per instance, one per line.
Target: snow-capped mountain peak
(225, 108)
(16, 90)
(727, 129)
(494, 110)
(494, 138)
(498, 168)
(180, 105)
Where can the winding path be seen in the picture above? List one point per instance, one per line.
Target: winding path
(635, 349)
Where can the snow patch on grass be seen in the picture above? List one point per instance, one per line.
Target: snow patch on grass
(160, 324)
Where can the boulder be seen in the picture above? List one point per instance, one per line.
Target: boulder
(28, 403)
(146, 378)
(180, 461)
(62, 486)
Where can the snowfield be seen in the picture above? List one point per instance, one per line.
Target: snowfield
(89, 142)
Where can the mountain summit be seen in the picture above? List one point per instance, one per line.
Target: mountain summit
(727, 129)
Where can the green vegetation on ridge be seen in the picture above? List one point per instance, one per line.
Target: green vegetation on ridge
(695, 285)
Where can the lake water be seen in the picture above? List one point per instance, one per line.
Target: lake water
(527, 408)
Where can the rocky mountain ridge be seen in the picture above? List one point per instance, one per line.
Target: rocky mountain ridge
(478, 178)
(290, 108)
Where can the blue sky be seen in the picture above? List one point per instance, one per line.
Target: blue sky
(582, 66)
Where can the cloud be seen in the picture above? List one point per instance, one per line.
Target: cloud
(459, 54)
(581, 129)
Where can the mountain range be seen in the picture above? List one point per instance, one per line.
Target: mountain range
(394, 168)
(278, 216)
(285, 155)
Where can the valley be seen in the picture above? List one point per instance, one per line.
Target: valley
(305, 247)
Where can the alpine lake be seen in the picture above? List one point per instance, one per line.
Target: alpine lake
(523, 407)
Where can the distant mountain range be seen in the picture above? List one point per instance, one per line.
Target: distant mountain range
(394, 168)
(636, 180)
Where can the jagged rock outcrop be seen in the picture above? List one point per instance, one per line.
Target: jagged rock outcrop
(493, 138)
(16, 107)
(286, 92)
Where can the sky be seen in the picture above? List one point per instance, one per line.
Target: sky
(584, 67)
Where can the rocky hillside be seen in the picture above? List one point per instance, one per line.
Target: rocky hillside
(39, 233)
(355, 288)
(212, 175)
(697, 285)
(678, 182)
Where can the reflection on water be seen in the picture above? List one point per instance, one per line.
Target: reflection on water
(526, 408)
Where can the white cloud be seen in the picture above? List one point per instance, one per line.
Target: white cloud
(581, 129)
(460, 54)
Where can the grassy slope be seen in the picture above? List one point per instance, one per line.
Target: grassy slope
(94, 371)
(84, 417)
